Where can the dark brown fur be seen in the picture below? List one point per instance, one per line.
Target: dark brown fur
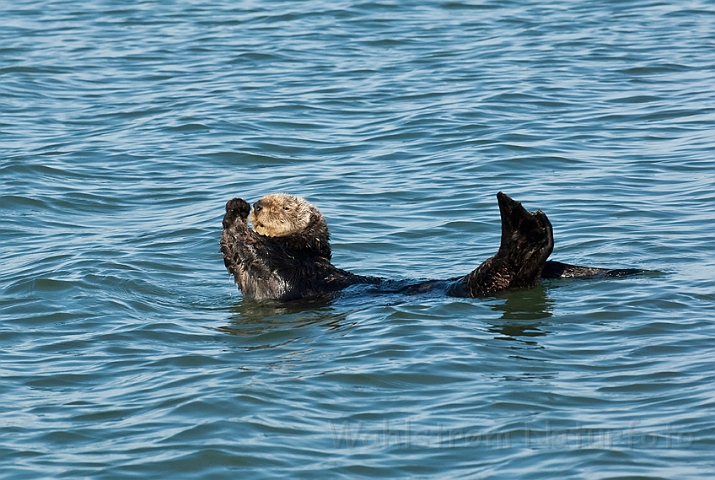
(288, 267)
(527, 240)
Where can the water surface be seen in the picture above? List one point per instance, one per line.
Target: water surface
(126, 351)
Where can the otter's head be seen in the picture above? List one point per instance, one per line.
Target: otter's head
(279, 215)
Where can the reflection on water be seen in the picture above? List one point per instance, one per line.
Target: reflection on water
(511, 331)
(270, 325)
(524, 306)
(252, 318)
(269, 322)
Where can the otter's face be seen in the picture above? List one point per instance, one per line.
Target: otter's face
(278, 215)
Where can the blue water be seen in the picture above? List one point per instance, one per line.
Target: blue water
(127, 352)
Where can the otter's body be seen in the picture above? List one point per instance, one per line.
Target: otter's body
(290, 259)
(287, 256)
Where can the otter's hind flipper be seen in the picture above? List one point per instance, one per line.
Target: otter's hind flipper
(526, 242)
(553, 269)
(623, 272)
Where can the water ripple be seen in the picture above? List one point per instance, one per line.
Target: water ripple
(127, 350)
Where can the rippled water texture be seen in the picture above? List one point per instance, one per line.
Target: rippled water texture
(127, 352)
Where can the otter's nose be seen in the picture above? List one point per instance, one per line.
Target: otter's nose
(257, 207)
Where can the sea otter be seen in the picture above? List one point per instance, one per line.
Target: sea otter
(286, 256)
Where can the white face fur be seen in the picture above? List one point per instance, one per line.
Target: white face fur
(279, 214)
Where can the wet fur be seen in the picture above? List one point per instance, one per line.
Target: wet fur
(527, 240)
(290, 260)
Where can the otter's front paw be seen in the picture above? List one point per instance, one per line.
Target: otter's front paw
(236, 208)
